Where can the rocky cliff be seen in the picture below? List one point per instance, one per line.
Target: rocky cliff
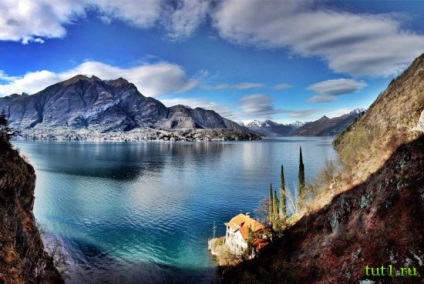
(92, 106)
(373, 212)
(22, 255)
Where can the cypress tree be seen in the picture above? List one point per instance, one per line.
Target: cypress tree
(301, 178)
(275, 207)
(282, 195)
(249, 240)
(271, 204)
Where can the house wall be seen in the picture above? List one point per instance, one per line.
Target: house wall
(234, 240)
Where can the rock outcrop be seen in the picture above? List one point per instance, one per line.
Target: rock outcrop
(22, 255)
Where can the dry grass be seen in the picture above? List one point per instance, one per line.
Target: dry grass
(362, 153)
(227, 258)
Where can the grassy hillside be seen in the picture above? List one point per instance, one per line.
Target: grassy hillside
(388, 123)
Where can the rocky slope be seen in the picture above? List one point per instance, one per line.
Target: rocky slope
(374, 213)
(22, 255)
(376, 223)
(91, 106)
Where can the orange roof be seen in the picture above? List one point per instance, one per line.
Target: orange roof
(259, 244)
(243, 223)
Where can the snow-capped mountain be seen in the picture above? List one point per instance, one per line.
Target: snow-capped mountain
(322, 127)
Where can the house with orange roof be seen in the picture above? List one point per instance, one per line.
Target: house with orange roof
(237, 234)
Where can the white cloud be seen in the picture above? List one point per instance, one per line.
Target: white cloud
(151, 79)
(350, 43)
(34, 21)
(356, 44)
(182, 21)
(6, 78)
(223, 110)
(327, 91)
(138, 13)
(27, 20)
(38, 40)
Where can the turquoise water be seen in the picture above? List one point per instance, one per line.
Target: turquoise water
(142, 212)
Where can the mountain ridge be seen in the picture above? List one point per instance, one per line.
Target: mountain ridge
(324, 126)
(83, 104)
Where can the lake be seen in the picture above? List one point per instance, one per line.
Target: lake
(143, 212)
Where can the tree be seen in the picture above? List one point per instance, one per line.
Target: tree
(249, 241)
(282, 195)
(275, 210)
(271, 204)
(6, 133)
(262, 211)
(301, 178)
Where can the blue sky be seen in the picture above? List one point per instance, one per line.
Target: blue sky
(283, 60)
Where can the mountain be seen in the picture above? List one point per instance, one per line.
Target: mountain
(271, 128)
(328, 126)
(322, 127)
(90, 105)
(366, 214)
(22, 255)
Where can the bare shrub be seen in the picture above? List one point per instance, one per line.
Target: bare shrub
(55, 250)
(60, 258)
(262, 211)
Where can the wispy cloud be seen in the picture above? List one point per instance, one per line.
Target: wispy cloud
(261, 106)
(282, 86)
(300, 113)
(258, 105)
(151, 79)
(248, 86)
(356, 44)
(239, 86)
(327, 91)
